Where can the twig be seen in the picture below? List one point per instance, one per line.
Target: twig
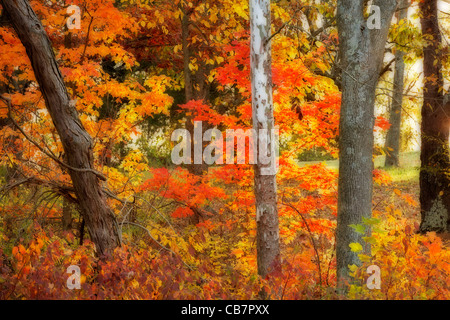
(311, 238)
(150, 235)
(7, 101)
(282, 26)
(87, 36)
(329, 263)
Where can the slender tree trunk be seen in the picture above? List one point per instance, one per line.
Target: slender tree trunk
(66, 215)
(268, 248)
(9, 142)
(434, 153)
(188, 86)
(395, 118)
(76, 141)
(190, 93)
(361, 51)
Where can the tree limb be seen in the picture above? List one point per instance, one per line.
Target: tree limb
(7, 101)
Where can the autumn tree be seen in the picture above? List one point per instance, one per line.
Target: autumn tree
(395, 114)
(434, 153)
(361, 51)
(268, 248)
(195, 88)
(76, 141)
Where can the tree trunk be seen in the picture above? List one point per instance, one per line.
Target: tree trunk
(190, 94)
(268, 248)
(395, 118)
(76, 141)
(66, 218)
(361, 51)
(434, 153)
(188, 86)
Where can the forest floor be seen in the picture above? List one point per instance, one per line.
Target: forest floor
(404, 178)
(408, 170)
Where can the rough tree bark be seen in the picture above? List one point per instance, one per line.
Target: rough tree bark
(76, 141)
(395, 117)
(434, 153)
(268, 249)
(362, 52)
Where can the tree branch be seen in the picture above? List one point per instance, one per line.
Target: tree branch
(7, 101)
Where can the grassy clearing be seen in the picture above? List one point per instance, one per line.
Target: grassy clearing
(408, 170)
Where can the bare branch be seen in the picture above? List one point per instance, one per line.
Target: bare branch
(7, 101)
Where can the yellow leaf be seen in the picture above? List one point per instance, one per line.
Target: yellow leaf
(177, 48)
(352, 267)
(355, 247)
(241, 11)
(364, 258)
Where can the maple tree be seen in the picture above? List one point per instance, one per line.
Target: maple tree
(135, 72)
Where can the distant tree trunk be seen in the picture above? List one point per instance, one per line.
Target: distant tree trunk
(66, 215)
(395, 118)
(188, 86)
(8, 143)
(268, 248)
(434, 153)
(362, 52)
(190, 92)
(76, 141)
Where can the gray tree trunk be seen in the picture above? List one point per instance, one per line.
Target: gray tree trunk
(268, 248)
(361, 52)
(76, 141)
(395, 117)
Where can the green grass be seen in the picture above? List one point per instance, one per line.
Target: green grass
(331, 164)
(408, 170)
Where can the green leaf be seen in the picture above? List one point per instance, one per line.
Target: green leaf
(371, 240)
(371, 221)
(358, 228)
(378, 230)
